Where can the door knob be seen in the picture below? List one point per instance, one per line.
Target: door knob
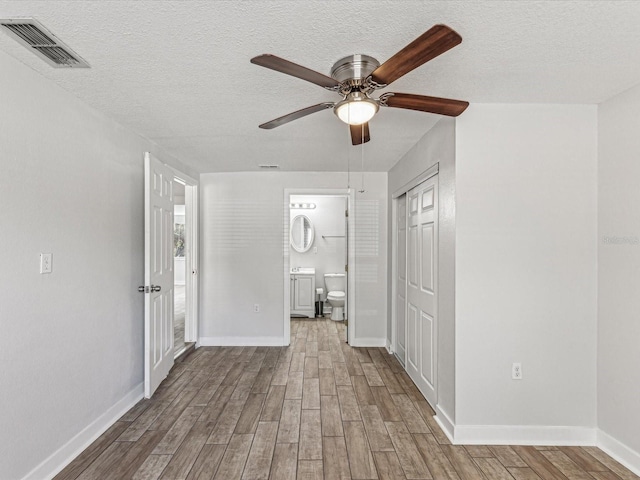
(156, 288)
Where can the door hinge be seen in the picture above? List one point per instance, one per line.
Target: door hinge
(346, 213)
(346, 268)
(143, 289)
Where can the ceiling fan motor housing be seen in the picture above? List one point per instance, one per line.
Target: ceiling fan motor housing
(351, 71)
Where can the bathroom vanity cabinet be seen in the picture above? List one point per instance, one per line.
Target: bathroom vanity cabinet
(303, 292)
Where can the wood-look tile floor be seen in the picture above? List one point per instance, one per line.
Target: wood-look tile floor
(179, 313)
(317, 409)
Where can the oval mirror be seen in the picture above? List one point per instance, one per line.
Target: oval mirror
(301, 234)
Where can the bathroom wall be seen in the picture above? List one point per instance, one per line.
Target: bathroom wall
(243, 248)
(326, 255)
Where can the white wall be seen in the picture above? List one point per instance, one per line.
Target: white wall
(71, 346)
(327, 219)
(619, 271)
(526, 265)
(243, 245)
(437, 146)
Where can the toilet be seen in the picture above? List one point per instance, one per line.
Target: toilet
(335, 283)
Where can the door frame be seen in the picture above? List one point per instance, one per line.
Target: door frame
(393, 344)
(349, 194)
(426, 175)
(192, 254)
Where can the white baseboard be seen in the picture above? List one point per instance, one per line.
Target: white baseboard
(240, 342)
(368, 342)
(445, 423)
(70, 450)
(523, 435)
(619, 451)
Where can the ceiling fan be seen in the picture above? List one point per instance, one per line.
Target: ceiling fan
(357, 76)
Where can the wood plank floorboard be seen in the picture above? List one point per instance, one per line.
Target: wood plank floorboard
(318, 409)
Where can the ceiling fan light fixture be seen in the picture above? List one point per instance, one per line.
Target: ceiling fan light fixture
(356, 109)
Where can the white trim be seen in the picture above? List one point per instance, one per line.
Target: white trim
(523, 435)
(183, 177)
(192, 269)
(240, 342)
(368, 342)
(618, 451)
(59, 459)
(414, 182)
(393, 341)
(445, 423)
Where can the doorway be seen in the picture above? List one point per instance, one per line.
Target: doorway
(185, 258)
(318, 234)
(161, 248)
(179, 268)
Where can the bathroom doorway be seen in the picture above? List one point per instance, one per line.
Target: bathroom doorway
(318, 282)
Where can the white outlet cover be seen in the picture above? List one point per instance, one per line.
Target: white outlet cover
(516, 371)
(46, 260)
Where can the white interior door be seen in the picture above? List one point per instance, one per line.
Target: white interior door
(401, 279)
(158, 266)
(422, 274)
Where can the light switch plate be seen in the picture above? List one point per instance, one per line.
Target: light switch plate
(46, 260)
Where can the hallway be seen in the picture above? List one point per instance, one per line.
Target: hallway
(317, 409)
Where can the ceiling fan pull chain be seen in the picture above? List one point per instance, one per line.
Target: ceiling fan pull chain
(362, 160)
(348, 167)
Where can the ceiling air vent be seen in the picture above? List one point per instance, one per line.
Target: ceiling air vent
(33, 35)
(268, 166)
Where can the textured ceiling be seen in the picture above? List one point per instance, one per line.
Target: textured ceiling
(178, 72)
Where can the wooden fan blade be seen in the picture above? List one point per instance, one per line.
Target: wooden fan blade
(290, 117)
(285, 66)
(441, 106)
(435, 41)
(359, 133)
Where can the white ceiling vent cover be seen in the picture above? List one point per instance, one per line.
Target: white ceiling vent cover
(33, 35)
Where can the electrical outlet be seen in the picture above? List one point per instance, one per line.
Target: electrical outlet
(256, 308)
(46, 260)
(516, 371)
(315, 249)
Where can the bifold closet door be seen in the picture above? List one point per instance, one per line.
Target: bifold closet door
(422, 274)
